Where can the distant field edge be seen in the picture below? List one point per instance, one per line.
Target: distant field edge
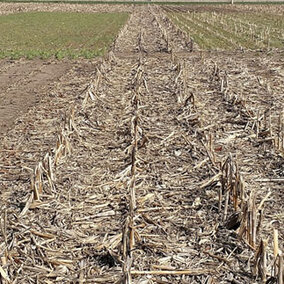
(138, 2)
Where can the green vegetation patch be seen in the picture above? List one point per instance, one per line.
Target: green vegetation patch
(230, 31)
(59, 34)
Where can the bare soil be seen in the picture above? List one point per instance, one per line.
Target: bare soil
(22, 85)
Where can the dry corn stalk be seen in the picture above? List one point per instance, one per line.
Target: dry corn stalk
(275, 244)
(36, 181)
(48, 167)
(279, 139)
(89, 94)
(232, 185)
(128, 235)
(181, 85)
(134, 128)
(260, 262)
(251, 221)
(280, 276)
(278, 265)
(63, 147)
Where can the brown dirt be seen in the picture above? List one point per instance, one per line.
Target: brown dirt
(22, 84)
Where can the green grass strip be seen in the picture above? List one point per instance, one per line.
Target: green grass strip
(59, 34)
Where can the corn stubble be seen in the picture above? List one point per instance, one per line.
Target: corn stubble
(137, 222)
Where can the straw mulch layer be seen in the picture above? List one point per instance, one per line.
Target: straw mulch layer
(166, 168)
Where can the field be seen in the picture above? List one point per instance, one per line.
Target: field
(215, 29)
(59, 34)
(160, 162)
